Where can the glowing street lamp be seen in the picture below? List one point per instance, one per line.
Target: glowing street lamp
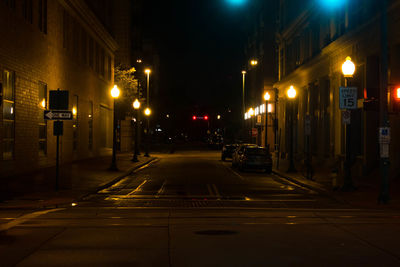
(254, 62)
(147, 112)
(136, 107)
(267, 97)
(291, 93)
(251, 112)
(348, 68)
(243, 79)
(114, 94)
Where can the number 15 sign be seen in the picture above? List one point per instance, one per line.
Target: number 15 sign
(348, 97)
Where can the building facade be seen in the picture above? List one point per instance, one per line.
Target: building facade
(313, 42)
(50, 45)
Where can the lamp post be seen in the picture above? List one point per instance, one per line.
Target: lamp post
(348, 69)
(251, 113)
(114, 94)
(147, 71)
(147, 112)
(267, 97)
(383, 106)
(244, 80)
(136, 106)
(291, 94)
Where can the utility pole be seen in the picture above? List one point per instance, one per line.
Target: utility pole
(383, 106)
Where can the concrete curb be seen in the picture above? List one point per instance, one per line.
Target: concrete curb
(310, 185)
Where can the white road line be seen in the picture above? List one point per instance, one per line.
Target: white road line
(216, 191)
(24, 218)
(210, 191)
(235, 173)
(137, 188)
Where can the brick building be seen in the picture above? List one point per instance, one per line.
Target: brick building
(48, 45)
(312, 43)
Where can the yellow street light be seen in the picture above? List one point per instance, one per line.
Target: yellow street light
(115, 91)
(243, 72)
(251, 112)
(267, 96)
(147, 71)
(147, 112)
(74, 111)
(218, 117)
(291, 93)
(136, 104)
(348, 68)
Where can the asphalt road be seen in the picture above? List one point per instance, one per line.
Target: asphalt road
(191, 209)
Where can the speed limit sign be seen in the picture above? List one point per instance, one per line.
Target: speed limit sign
(348, 97)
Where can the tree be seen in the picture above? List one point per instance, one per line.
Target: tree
(130, 88)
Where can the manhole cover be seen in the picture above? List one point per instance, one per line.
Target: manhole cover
(216, 232)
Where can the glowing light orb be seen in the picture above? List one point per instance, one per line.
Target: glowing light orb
(332, 4)
(236, 2)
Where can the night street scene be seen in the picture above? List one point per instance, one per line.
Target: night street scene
(199, 133)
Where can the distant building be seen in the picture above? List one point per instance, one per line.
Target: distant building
(48, 45)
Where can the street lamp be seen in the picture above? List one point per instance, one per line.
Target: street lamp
(147, 112)
(267, 97)
(348, 69)
(244, 80)
(291, 94)
(114, 94)
(136, 106)
(254, 62)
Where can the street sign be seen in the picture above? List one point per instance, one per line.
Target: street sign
(384, 135)
(346, 116)
(58, 100)
(57, 115)
(307, 125)
(254, 132)
(259, 120)
(348, 97)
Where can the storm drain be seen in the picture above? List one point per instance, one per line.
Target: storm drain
(216, 232)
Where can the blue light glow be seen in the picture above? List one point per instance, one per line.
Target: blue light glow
(236, 2)
(332, 4)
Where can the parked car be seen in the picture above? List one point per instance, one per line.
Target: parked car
(227, 151)
(239, 150)
(252, 157)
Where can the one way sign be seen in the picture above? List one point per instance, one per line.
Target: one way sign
(57, 115)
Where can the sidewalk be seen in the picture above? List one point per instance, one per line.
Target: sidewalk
(77, 179)
(366, 191)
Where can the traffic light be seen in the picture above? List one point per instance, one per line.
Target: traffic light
(395, 99)
(206, 117)
(194, 118)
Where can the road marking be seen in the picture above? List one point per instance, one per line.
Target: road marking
(24, 218)
(210, 192)
(137, 188)
(235, 173)
(216, 191)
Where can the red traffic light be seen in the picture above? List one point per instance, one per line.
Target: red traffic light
(194, 118)
(206, 117)
(397, 94)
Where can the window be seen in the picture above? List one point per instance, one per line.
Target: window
(42, 123)
(90, 124)
(8, 115)
(91, 52)
(42, 8)
(109, 70)
(27, 10)
(75, 123)
(10, 3)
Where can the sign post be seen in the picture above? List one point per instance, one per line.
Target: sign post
(58, 112)
(347, 102)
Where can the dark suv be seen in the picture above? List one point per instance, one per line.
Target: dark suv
(252, 157)
(227, 151)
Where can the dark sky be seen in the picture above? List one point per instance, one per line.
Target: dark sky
(201, 44)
